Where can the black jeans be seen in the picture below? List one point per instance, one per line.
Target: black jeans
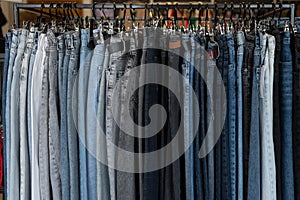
(276, 113)
(247, 74)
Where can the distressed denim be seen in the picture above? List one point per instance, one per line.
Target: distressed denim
(268, 170)
(43, 127)
(186, 68)
(14, 175)
(13, 53)
(24, 151)
(254, 140)
(54, 139)
(85, 59)
(36, 90)
(63, 120)
(91, 128)
(286, 105)
(71, 129)
(239, 115)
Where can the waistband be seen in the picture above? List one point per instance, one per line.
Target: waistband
(240, 38)
(286, 40)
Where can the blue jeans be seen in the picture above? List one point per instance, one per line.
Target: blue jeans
(4, 88)
(239, 116)
(231, 98)
(95, 71)
(254, 147)
(85, 58)
(63, 123)
(54, 139)
(24, 151)
(286, 85)
(13, 53)
(72, 132)
(14, 118)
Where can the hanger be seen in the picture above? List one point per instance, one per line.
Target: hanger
(190, 27)
(132, 15)
(199, 30)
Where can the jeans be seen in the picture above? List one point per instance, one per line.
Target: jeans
(43, 127)
(296, 115)
(91, 128)
(54, 139)
(231, 98)
(225, 138)
(212, 49)
(239, 115)
(254, 140)
(24, 151)
(276, 113)
(247, 74)
(14, 175)
(13, 53)
(29, 78)
(85, 58)
(186, 69)
(4, 88)
(286, 105)
(63, 120)
(36, 89)
(72, 132)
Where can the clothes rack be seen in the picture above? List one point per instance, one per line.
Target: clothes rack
(19, 6)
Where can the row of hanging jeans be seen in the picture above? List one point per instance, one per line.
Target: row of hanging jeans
(63, 118)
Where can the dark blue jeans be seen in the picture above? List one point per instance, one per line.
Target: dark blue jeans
(254, 146)
(286, 105)
(296, 112)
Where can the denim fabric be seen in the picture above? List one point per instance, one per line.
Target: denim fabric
(4, 88)
(24, 151)
(225, 137)
(102, 170)
(54, 139)
(61, 52)
(36, 90)
(31, 63)
(231, 100)
(276, 113)
(247, 74)
(186, 69)
(239, 115)
(286, 105)
(43, 127)
(93, 81)
(85, 58)
(13, 53)
(268, 182)
(72, 132)
(125, 186)
(212, 49)
(296, 112)
(218, 109)
(65, 182)
(14, 175)
(254, 140)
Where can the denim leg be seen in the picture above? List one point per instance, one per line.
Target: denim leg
(14, 175)
(71, 131)
(286, 104)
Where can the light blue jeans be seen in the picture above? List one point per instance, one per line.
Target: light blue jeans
(14, 175)
(91, 126)
(84, 67)
(24, 151)
(268, 183)
(13, 53)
